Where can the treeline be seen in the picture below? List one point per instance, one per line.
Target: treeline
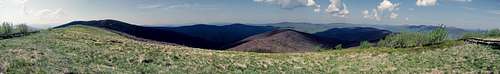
(489, 33)
(415, 39)
(410, 39)
(9, 30)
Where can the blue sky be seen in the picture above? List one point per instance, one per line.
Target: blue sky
(472, 14)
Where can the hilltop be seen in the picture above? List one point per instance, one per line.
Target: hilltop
(84, 49)
(283, 40)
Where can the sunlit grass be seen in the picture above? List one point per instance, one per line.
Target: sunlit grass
(81, 49)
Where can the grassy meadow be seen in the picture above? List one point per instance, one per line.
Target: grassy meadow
(82, 49)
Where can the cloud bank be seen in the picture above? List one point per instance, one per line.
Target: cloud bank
(27, 14)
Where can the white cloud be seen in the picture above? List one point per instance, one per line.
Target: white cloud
(366, 14)
(371, 15)
(393, 15)
(291, 4)
(377, 12)
(1, 3)
(180, 6)
(426, 2)
(387, 5)
(151, 6)
(174, 6)
(24, 13)
(463, 0)
(336, 9)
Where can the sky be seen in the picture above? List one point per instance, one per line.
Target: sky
(470, 14)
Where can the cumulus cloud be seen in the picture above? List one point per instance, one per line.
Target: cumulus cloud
(387, 5)
(371, 15)
(291, 4)
(426, 2)
(377, 12)
(336, 9)
(366, 13)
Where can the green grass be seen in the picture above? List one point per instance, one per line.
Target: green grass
(82, 49)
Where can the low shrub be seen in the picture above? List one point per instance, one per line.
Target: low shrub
(489, 33)
(364, 45)
(414, 39)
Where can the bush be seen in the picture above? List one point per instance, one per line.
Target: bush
(473, 34)
(364, 45)
(490, 33)
(493, 33)
(413, 39)
(438, 35)
(22, 28)
(338, 47)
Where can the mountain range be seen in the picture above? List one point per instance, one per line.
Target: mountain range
(454, 32)
(277, 37)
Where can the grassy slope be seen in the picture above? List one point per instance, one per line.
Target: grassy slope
(82, 49)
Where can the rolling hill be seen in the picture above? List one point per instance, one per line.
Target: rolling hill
(283, 40)
(352, 36)
(315, 28)
(148, 33)
(227, 34)
(84, 49)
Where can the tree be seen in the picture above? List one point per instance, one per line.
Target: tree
(22, 28)
(6, 28)
(439, 35)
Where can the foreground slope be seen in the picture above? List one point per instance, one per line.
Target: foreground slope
(82, 49)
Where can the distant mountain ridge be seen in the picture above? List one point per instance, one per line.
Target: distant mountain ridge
(352, 36)
(146, 33)
(276, 37)
(315, 28)
(226, 34)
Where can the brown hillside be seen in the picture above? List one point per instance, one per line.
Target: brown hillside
(284, 40)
